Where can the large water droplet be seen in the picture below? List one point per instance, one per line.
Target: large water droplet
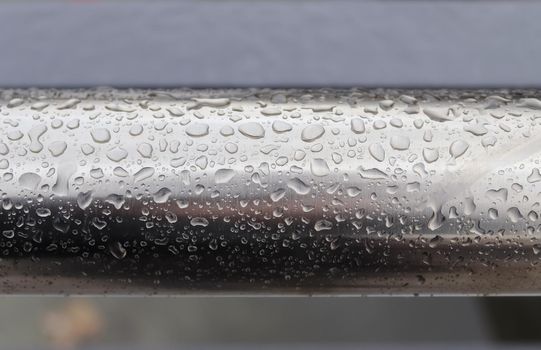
(312, 133)
(100, 135)
(377, 151)
(298, 186)
(252, 129)
(222, 176)
(319, 167)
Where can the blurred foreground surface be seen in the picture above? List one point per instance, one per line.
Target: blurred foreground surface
(271, 323)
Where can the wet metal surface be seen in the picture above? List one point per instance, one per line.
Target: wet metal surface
(261, 191)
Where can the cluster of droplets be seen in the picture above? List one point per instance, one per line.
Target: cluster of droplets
(286, 176)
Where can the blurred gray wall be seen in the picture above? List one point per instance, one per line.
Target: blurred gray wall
(270, 43)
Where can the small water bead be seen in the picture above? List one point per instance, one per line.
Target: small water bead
(353, 191)
(280, 126)
(458, 148)
(379, 124)
(143, 174)
(357, 126)
(323, 225)
(14, 135)
(87, 149)
(438, 115)
(34, 135)
(319, 167)
(15, 102)
(72, 124)
(145, 149)
(227, 130)
(223, 176)
(299, 186)
(377, 152)
(117, 250)
(252, 129)
(162, 195)
(535, 176)
(96, 173)
(202, 162)
(4, 149)
(84, 199)
(100, 135)
(43, 212)
(117, 154)
(199, 221)
(30, 181)
(277, 194)
(271, 111)
(399, 142)
(136, 130)
(430, 154)
(312, 133)
(514, 214)
(208, 102)
(197, 130)
(57, 148)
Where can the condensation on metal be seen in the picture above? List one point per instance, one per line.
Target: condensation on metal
(252, 191)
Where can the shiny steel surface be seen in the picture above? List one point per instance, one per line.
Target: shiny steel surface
(252, 191)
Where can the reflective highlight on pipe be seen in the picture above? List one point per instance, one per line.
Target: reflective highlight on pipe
(250, 191)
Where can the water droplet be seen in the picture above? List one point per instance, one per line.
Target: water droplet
(43, 212)
(298, 186)
(497, 195)
(357, 125)
(322, 225)
(430, 155)
(534, 176)
(117, 154)
(270, 111)
(278, 194)
(136, 130)
(197, 130)
(30, 181)
(208, 102)
(223, 176)
(100, 135)
(280, 126)
(227, 130)
(514, 214)
(377, 152)
(252, 129)
(143, 174)
(312, 133)
(162, 195)
(400, 143)
(117, 250)
(199, 221)
(84, 199)
(353, 191)
(438, 114)
(34, 134)
(57, 148)
(202, 162)
(458, 148)
(372, 174)
(145, 149)
(319, 167)
(8, 233)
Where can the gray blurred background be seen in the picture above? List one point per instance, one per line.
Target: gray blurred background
(378, 43)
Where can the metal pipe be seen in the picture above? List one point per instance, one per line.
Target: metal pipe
(251, 191)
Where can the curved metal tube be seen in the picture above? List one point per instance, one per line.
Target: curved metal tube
(250, 191)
